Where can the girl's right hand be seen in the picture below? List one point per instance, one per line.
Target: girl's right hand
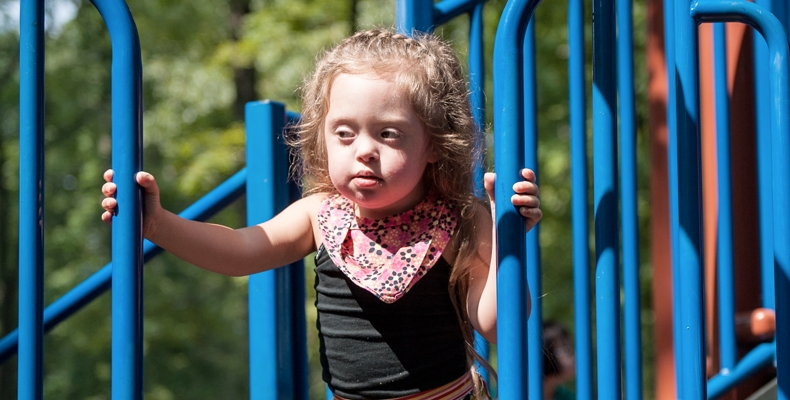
(151, 205)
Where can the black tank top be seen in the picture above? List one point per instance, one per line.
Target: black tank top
(373, 350)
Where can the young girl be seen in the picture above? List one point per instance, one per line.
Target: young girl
(405, 265)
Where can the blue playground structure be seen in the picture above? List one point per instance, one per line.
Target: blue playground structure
(276, 319)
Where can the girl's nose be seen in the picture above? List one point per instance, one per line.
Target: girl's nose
(367, 148)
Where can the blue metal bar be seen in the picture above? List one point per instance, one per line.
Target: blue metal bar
(271, 361)
(579, 181)
(726, 272)
(779, 54)
(508, 146)
(669, 44)
(448, 9)
(127, 242)
(607, 276)
(762, 121)
(535, 323)
(757, 359)
(687, 218)
(31, 199)
(95, 285)
(476, 61)
(298, 316)
(632, 322)
(477, 99)
(413, 16)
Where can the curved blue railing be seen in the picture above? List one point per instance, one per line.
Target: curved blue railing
(127, 235)
(779, 76)
(509, 142)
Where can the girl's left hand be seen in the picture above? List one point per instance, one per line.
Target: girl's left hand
(525, 198)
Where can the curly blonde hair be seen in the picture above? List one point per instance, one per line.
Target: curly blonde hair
(428, 71)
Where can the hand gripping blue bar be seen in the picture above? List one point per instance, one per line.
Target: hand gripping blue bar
(127, 242)
(774, 34)
(509, 158)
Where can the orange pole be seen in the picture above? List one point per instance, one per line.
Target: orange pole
(661, 256)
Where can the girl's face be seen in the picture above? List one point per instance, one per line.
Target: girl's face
(376, 145)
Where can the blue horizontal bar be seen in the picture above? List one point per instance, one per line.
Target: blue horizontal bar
(449, 9)
(92, 287)
(752, 362)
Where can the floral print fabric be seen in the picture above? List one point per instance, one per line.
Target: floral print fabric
(388, 256)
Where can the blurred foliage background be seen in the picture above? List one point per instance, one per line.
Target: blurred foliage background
(202, 61)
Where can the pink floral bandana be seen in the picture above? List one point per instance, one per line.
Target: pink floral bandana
(388, 256)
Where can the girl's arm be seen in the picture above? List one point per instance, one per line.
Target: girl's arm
(284, 239)
(481, 300)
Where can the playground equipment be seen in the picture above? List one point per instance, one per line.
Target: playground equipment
(277, 348)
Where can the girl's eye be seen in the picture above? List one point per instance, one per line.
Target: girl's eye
(344, 134)
(390, 134)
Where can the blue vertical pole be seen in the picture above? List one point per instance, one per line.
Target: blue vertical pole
(689, 349)
(298, 317)
(476, 61)
(127, 241)
(508, 147)
(414, 15)
(271, 363)
(31, 199)
(477, 99)
(763, 138)
(579, 181)
(630, 221)
(724, 252)
(607, 276)
(535, 324)
(669, 44)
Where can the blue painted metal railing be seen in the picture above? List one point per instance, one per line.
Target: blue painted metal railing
(278, 355)
(607, 249)
(534, 279)
(509, 142)
(31, 198)
(127, 160)
(632, 305)
(579, 195)
(579, 203)
(686, 216)
(763, 128)
(127, 235)
(779, 94)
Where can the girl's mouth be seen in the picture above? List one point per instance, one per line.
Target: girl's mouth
(366, 180)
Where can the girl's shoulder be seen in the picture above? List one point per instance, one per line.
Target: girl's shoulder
(310, 204)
